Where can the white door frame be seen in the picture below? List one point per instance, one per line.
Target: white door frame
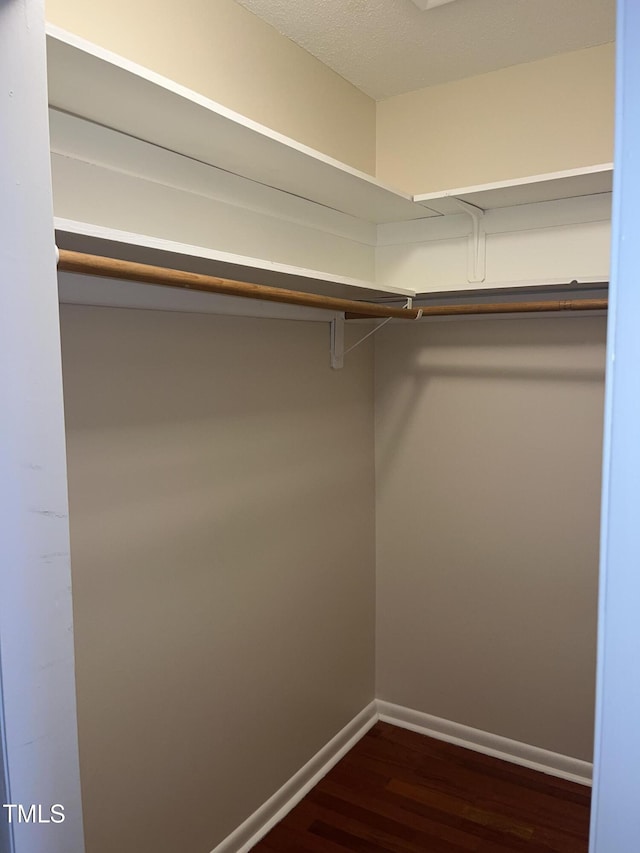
(38, 707)
(615, 817)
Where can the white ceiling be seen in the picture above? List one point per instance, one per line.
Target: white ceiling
(387, 47)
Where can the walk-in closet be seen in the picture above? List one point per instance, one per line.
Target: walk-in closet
(306, 407)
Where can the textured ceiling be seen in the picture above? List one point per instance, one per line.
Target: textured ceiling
(387, 47)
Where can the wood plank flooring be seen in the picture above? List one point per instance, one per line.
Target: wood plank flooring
(401, 792)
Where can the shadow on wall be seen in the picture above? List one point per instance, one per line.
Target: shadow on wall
(497, 356)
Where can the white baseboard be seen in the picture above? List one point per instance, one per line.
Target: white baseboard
(276, 807)
(500, 747)
(257, 825)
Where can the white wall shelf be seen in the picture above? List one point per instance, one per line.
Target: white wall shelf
(87, 81)
(84, 237)
(209, 190)
(571, 183)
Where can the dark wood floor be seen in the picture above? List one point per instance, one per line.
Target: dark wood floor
(401, 792)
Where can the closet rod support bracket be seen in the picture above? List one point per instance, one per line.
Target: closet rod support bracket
(337, 341)
(338, 351)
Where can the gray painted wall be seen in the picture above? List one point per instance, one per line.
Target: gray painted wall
(222, 541)
(222, 528)
(488, 457)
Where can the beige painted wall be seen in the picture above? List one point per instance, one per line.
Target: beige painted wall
(488, 446)
(525, 120)
(221, 50)
(223, 594)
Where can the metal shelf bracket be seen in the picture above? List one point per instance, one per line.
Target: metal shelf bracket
(477, 244)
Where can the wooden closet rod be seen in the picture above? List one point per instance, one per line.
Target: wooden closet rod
(505, 308)
(112, 268)
(78, 262)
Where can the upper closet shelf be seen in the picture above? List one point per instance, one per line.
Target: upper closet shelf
(572, 183)
(93, 83)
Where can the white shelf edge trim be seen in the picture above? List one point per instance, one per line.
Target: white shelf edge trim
(100, 232)
(543, 760)
(599, 169)
(146, 74)
(256, 826)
